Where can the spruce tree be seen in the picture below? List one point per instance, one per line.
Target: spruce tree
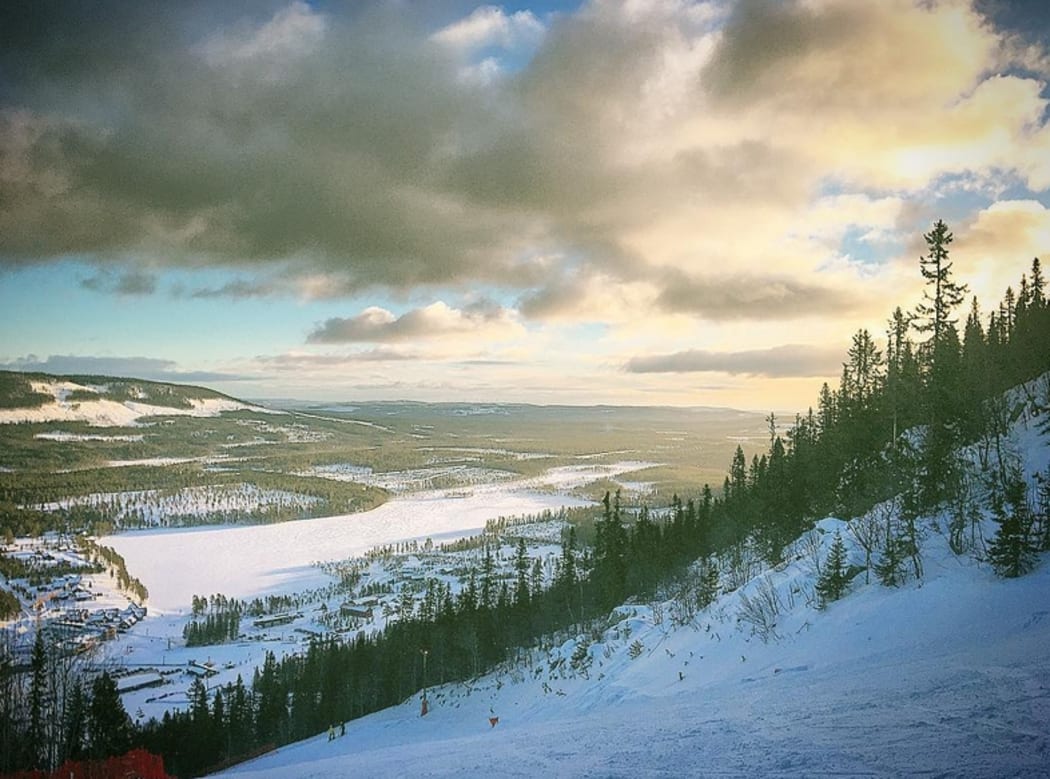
(75, 722)
(942, 295)
(521, 570)
(942, 358)
(35, 746)
(832, 582)
(109, 725)
(709, 579)
(1013, 552)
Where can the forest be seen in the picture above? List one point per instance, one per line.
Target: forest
(893, 428)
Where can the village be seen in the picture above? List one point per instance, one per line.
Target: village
(67, 593)
(74, 602)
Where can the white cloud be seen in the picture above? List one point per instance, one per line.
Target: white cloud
(991, 252)
(489, 26)
(438, 320)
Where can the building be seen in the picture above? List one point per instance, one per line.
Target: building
(273, 620)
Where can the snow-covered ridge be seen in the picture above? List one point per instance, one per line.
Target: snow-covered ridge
(106, 412)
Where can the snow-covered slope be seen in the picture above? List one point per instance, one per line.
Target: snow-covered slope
(950, 678)
(947, 675)
(74, 402)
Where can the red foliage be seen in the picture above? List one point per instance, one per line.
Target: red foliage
(136, 764)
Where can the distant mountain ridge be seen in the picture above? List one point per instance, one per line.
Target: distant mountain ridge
(104, 401)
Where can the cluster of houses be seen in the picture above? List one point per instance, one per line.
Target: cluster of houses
(78, 630)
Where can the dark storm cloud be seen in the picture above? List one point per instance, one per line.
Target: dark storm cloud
(323, 150)
(340, 140)
(787, 361)
(287, 134)
(752, 297)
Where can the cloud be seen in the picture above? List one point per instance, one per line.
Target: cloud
(237, 289)
(133, 282)
(490, 25)
(149, 368)
(723, 297)
(294, 31)
(1017, 227)
(1017, 230)
(292, 362)
(321, 151)
(791, 360)
(376, 325)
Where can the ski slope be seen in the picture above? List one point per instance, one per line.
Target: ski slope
(950, 678)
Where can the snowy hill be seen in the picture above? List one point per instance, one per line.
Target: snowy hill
(948, 674)
(103, 401)
(950, 677)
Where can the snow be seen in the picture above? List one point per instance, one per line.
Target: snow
(569, 477)
(63, 437)
(263, 559)
(947, 677)
(157, 507)
(110, 413)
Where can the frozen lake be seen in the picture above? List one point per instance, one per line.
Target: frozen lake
(243, 562)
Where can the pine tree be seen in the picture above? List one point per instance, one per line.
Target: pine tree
(521, 569)
(737, 475)
(935, 310)
(109, 726)
(488, 579)
(75, 721)
(610, 553)
(833, 580)
(709, 580)
(35, 739)
(862, 373)
(1013, 552)
(942, 355)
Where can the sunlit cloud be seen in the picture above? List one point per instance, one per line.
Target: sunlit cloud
(376, 325)
(490, 25)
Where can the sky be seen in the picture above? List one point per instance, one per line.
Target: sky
(648, 202)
